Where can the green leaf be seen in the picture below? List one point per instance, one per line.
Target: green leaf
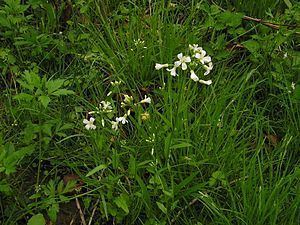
(4, 187)
(252, 46)
(14, 157)
(181, 145)
(132, 166)
(44, 100)
(53, 85)
(4, 22)
(32, 78)
(288, 3)
(231, 19)
(63, 92)
(52, 212)
(162, 207)
(35, 196)
(47, 128)
(69, 186)
(297, 92)
(122, 202)
(185, 182)
(168, 141)
(25, 85)
(60, 187)
(51, 14)
(96, 169)
(23, 97)
(37, 219)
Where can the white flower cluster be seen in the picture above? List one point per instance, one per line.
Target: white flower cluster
(107, 112)
(199, 61)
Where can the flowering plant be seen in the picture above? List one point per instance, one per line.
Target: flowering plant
(198, 60)
(107, 111)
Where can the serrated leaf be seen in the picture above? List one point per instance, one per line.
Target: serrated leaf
(23, 97)
(63, 92)
(52, 212)
(96, 169)
(44, 100)
(60, 187)
(69, 186)
(4, 187)
(37, 219)
(32, 78)
(122, 202)
(35, 196)
(53, 85)
(162, 207)
(14, 157)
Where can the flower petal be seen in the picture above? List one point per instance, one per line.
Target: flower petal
(203, 52)
(172, 71)
(179, 56)
(197, 55)
(206, 59)
(188, 59)
(177, 63)
(207, 72)
(160, 66)
(193, 76)
(207, 82)
(184, 66)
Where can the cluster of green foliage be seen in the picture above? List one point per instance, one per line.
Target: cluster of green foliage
(221, 154)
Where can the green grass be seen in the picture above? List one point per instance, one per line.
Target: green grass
(226, 153)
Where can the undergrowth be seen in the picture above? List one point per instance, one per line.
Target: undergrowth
(149, 112)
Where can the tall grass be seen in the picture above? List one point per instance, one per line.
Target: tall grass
(220, 154)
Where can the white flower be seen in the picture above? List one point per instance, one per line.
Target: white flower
(160, 66)
(146, 100)
(293, 85)
(208, 68)
(89, 124)
(207, 82)
(182, 61)
(285, 55)
(114, 125)
(103, 122)
(106, 106)
(195, 48)
(194, 77)
(122, 119)
(172, 71)
(202, 57)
